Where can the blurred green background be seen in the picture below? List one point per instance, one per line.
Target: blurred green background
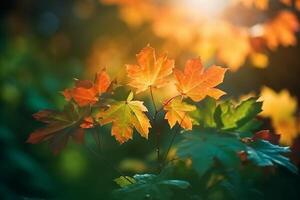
(43, 46)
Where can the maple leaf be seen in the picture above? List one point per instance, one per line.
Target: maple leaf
(281, 30)
(205, 146)
(86, 92)
(234, 47)
(151, 71)
(229, 116)
(177, 111)
(197, 83)
(60, 127)
(281, 108)
(278, 106)
(287, 129)
(102, 82)
(264, 153)
(124, 115)
(141, 186)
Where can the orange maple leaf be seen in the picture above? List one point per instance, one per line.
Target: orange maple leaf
(86, 92)
(151, 71)
(102, 82)
(281, 30)
(197, 83)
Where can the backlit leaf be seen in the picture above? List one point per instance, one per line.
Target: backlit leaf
(204, 114)
(86, 92)
(178, 112)
(197, 83)
(281, 108)
(281, 30)
(278, 106)
(151, 70)
(124, 115)
(230, 116)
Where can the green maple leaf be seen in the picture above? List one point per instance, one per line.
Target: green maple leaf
(204, 114)
(238, 117)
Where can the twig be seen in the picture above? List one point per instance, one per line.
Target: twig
(155, 128)
(101, 157)
(153, 102)
(172, 140)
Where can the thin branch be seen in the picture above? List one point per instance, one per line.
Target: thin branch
(172, 140)
(156, 129)
(153, 102)
(102, 157)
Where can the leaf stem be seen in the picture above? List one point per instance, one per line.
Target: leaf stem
(102, 157)
(153, 102)
(172, 141)
(156, 129)
(167, 102)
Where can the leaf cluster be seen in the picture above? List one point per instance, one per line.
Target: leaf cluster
(216, 134)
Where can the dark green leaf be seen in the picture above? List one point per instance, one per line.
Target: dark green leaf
(240, 187)
(149, 186)
(204, 115)
(203, 147)
(264, 153)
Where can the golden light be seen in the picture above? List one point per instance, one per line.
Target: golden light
(211, 8)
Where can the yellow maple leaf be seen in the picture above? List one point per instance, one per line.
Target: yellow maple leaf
(124, 115)
(281, 108)
(287, 129)
(177, 112)
(278, 106)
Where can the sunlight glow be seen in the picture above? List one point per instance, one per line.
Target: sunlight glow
(209, 8)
